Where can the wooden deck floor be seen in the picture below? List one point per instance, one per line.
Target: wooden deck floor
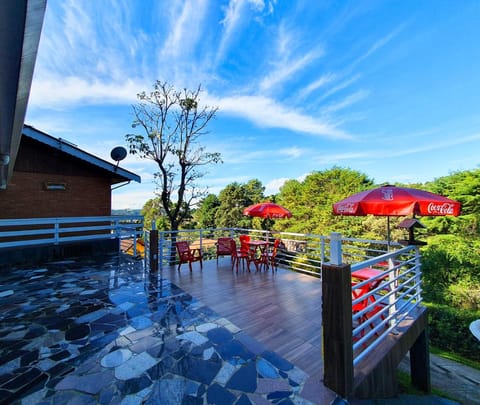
(281, 309)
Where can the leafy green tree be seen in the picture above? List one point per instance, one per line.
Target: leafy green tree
(152, 211)
(463, 187)
(172, 123)
(205, 214)
(234, 198)
(311, 201)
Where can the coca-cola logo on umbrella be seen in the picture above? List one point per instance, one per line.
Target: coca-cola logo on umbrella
(440, 209)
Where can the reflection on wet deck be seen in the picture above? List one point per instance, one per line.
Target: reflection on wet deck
(106, 331)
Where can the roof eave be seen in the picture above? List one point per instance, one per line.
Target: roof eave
(22, 22)
(72, 150)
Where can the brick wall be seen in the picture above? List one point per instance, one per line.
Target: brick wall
(27, 196)
(87, 187)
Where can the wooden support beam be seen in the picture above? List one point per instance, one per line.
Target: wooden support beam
(337, 328)
(420, 363)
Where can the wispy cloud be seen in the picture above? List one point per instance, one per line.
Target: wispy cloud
(292, 152)
(234, 15)
(379, 44)
(345, 102)
(288, 58)
(49, 93)
(386, 153)
(453, 141)
(266, 112)
(320, 82)
(341, 157)
(340, 86)
(185, 31)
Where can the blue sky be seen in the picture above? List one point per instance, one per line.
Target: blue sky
(388, 88)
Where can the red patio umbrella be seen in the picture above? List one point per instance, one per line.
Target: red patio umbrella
(396, 201)
(267, 210)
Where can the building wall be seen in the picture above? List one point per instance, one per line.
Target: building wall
(87, 188)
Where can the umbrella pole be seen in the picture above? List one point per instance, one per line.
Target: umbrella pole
(388, 233)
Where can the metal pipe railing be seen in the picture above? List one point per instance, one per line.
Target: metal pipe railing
(43, 231)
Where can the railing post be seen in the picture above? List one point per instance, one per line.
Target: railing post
(153, 250)
(134, 238)
(418, 274)
(337, 328)
(161, 248)
(56, 235)
(335, 248)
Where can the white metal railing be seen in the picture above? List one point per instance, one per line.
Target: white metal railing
(390, 302)
(45, 231)
(299, 252)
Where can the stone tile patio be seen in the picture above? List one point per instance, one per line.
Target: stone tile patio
(106, 332)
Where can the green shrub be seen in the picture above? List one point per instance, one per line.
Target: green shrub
(449, 330)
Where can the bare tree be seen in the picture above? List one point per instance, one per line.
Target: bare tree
(172, 122)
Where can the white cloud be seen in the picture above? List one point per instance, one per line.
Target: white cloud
(273, 186)
(346, 102)
(131, 196)
(292, 152)
(375, 154)
(342, 85)
(380, 43)
(234, 15)
(61, 93)
(288, 59)
(185, 31)
(267, 112)
(339, 157)
(320, 82)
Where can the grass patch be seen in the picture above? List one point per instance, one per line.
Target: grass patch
(455, 357)
(405, 387)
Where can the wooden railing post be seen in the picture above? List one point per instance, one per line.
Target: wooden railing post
(337, 321)
(337, 328)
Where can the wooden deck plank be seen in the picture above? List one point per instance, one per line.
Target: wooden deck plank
(281, 310)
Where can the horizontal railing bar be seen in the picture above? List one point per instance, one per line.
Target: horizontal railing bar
(43, 231)
(115, 226)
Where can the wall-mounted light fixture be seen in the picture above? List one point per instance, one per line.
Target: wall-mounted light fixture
(50, 186)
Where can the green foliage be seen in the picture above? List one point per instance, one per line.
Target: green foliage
(152, 211)
(205, 214)
(311, 201)
(451, 264)
(448, 329)
(464, 187)
(233, 199)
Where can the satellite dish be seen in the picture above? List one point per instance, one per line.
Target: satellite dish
(118, 153)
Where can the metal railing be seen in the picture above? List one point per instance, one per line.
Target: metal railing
(390, 302)
(25, 232)
(299, 252)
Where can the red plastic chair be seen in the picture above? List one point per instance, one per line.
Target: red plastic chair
(187, 255)
(243, 245)
(224, 247)
(237, 255)
(270, 255)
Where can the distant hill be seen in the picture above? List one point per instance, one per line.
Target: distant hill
(126, 211)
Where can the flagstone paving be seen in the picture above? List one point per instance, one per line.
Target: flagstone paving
(107, 332)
